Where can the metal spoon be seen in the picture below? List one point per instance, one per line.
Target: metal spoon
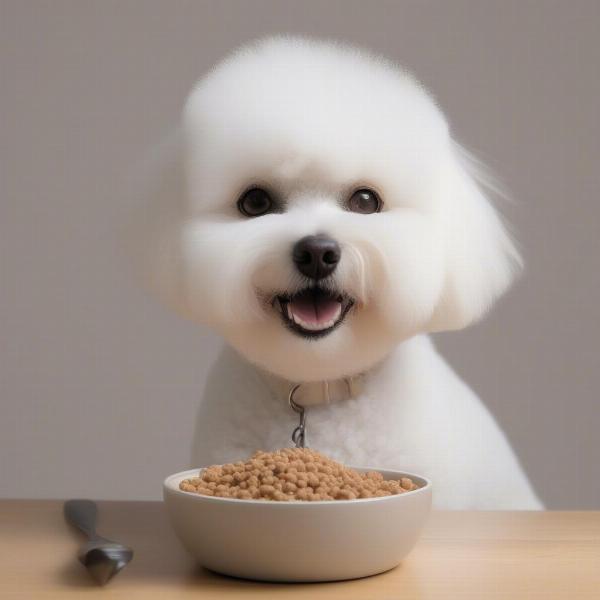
(103, 558)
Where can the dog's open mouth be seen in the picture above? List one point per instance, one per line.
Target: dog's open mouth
(313, 312)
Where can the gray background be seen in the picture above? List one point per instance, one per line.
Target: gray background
(99, 384)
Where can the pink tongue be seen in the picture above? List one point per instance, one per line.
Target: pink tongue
(314, 310)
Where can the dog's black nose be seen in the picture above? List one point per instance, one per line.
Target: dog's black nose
(316, 256)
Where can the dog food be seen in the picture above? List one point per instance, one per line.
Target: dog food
(292, 474)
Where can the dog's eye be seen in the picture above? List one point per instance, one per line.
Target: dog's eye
(255, 202)
(364, 201)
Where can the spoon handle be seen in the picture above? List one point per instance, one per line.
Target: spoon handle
(82, 514)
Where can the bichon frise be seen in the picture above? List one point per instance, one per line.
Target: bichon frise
(316, 212)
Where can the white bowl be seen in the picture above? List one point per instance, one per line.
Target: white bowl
(298, 541)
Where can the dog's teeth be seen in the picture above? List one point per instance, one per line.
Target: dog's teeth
(286, 309)
(337, 313)
(313, 326)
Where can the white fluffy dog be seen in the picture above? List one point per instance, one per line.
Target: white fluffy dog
(315, 210)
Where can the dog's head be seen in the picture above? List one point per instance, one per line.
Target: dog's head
(325, 212)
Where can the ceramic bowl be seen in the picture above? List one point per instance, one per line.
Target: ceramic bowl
(298, 541)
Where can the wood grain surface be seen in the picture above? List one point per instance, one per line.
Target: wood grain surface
(472, 555)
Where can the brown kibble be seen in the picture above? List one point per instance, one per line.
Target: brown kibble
(313, 481)
(345, 495)
(302, 494)
(292, 474)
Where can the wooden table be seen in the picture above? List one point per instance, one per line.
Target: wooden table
(482, 555)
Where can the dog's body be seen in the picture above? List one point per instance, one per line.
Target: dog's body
(323, 220)
(414, 414)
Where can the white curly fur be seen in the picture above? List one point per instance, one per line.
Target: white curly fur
(312, 121)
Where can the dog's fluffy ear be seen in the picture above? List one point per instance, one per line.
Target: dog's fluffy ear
(481, 258)
(153, 231)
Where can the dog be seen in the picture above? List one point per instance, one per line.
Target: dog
(314, 209)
